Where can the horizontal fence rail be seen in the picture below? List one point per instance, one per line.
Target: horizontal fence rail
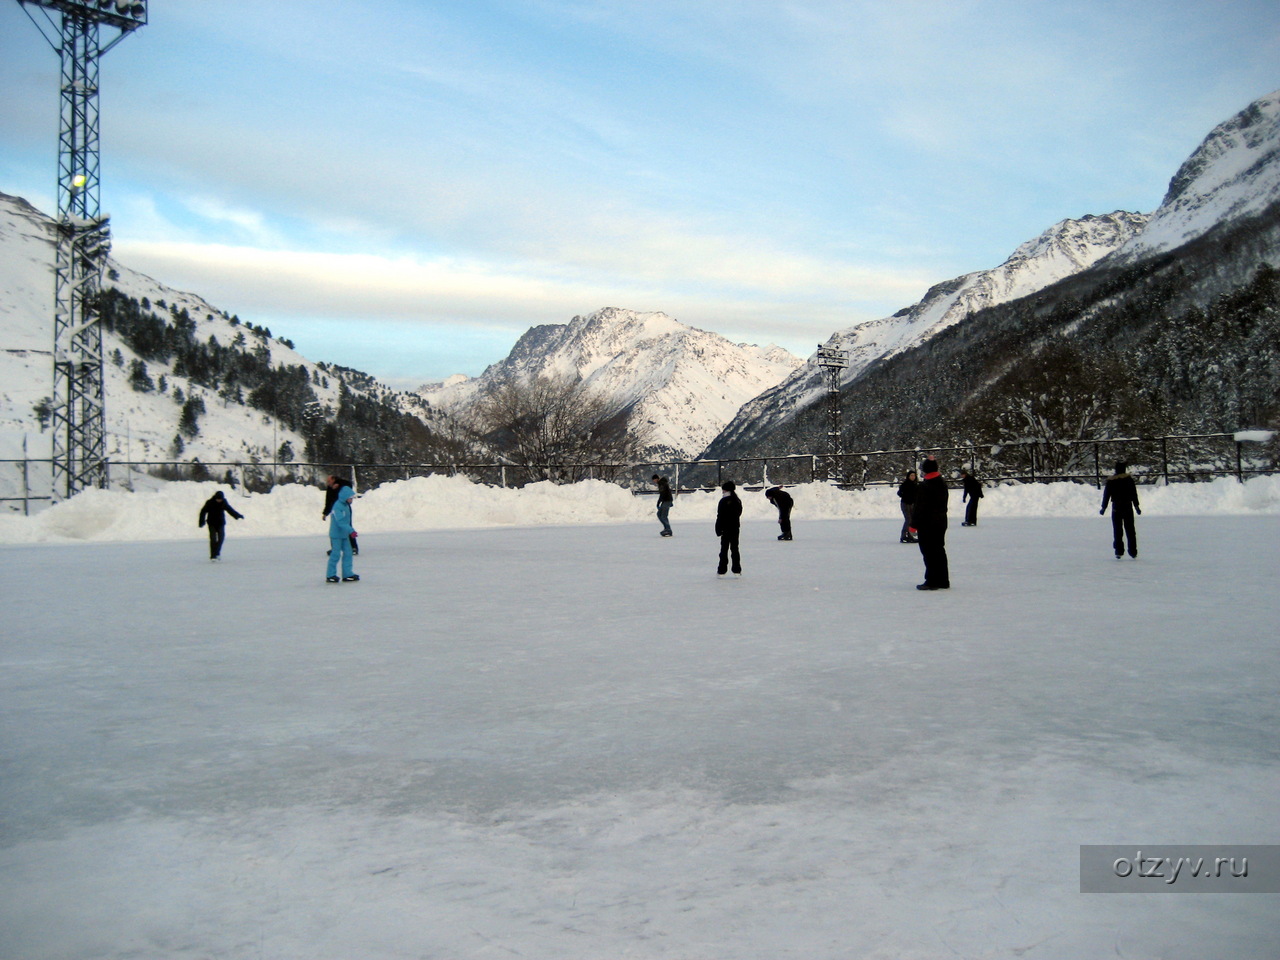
(1167, 459)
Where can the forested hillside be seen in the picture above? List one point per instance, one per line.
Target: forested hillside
(366, 423)
(1186, 341)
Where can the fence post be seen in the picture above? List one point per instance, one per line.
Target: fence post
(1097, 466)
(26, 479)
(1239, 463)
(1164, 458)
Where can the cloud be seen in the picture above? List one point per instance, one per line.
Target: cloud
(251, 223)
(739, 293)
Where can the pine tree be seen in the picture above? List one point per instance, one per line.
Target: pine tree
(139, 379)
(189, 422)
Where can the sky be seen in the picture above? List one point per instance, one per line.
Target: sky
(406, 187)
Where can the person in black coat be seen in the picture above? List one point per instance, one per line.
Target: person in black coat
(665, 500)
(728, 527)
(930, 516)
(1122, 493)
(972, 493)
(214, 516)
(783, 501)
(907, 501)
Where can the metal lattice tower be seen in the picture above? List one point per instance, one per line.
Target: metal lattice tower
(83, 237)
(834, 361)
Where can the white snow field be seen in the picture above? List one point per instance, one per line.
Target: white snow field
(574, 741)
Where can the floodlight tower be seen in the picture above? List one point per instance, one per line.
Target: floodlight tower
(83, 234)
(834, 361)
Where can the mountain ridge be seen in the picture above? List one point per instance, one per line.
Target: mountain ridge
(681, 382)
(1063, 249)
(1219, 209)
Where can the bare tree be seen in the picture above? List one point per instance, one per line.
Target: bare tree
(556, 427)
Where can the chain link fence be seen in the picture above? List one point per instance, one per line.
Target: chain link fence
(26, 484)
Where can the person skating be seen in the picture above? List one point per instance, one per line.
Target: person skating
(330, 495)
(214, 516)
(340, 531)
(1121, 491)
(665, 500)
(972, 493)
(907, 501)
(930, 516)
(728, 527)
(784, 502)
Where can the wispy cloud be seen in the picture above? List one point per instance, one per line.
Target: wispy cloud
(452, 291)
(218, 213)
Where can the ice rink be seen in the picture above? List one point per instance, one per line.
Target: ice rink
(576, 742)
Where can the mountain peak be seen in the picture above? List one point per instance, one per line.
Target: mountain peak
(685, 382)
(1233, 150)
(1234, 173)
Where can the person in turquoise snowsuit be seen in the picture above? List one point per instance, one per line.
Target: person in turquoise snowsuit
(340, 530)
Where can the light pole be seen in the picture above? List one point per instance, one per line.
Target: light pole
(83, 236)
(834, 362)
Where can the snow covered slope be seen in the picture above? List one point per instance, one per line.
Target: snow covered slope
(683, 382)
(140, 425)
(1064, 249)
(1234, 173)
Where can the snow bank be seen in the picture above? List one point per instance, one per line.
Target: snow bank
(436, 503)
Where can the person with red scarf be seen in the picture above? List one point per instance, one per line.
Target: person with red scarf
(930, 519)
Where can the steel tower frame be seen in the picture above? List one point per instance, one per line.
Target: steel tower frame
(834, 362)
(78, 412)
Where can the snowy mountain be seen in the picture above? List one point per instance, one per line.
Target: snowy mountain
(1064, 249)
(683, 383)
(147, 395)
(1233, 174)
(1112, 295)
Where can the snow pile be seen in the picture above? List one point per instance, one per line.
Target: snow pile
(440, 503)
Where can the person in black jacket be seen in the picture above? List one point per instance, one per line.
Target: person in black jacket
(1122, 493)
(214, 516)
(783, 501)
(665, 500)
(972, 493)
(907, 501)
(728, 527)
(930, 516)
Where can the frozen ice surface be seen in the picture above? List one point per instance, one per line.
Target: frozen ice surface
(575, 742)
